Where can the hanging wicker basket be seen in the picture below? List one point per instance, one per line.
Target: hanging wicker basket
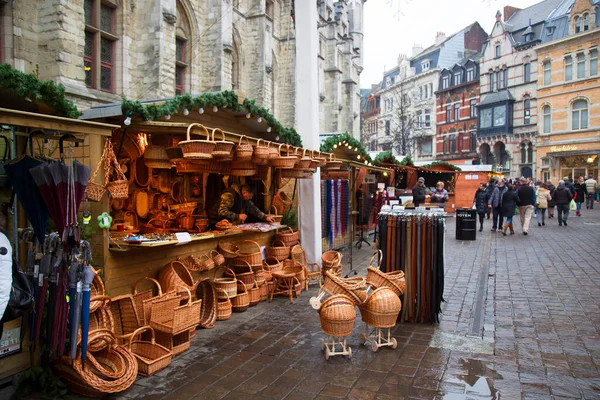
(197, 149)
(118, 188)
(244, 151)
(243, 168)
(94, 191)
(281, 202)
(333, 164)
(260, 155)
(381, 308)
(284, 161)
(337, 315)
(223, 149)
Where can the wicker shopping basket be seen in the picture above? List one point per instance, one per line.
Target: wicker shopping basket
(226, 284)
(284, 161)
(151, 356)
(168, 316)
(224, 307)
(288, 236)
(250, 253)
(143, 299)
(223, 150)
(197, 149)
(337, 315)
(246, 277)
(241, 302)
(278, 250)
(381, 308)
(270, 265)
(244, 151)
(260, 156)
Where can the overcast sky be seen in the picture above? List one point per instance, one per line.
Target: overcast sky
(393, 26)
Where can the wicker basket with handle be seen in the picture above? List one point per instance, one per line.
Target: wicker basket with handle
(176, 343)
(218, 258)
(244, 151)
(278, 250)
(224, 307)
(229, 250)
(241, 302)
(260, 156)
(118, 188)
(151, 356)
(142, 299)
(264, 292)
(270, 265)
(247, 277)
(273, 151)
(303, 162)
(125, 318)
(259, 275)
(226, 284)
(198, 149)
(249, 253)
(205, 291)
(285, 162)
(354, 288)
(276, 217)
(223, 149)
(393, 280)
(94, 191)
(381, 308)
(288, 236)
(282, 202)
(337, 315)
(254, 295)
(333, 164)
(180, 319)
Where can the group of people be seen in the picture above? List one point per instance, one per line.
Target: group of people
(503, 199)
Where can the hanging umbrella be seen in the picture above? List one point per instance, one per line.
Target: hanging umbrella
(75, 297)
(88, 277)
(27, 191)
(56, 256)
(44, 271)
(62, 305)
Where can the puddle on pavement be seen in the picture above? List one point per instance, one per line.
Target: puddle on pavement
(478, 381)
(452, 341)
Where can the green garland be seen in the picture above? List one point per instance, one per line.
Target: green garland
(28, 86)
(408, 161)
(386, 157)
(332, 142)
(441, 164)
(226, 99)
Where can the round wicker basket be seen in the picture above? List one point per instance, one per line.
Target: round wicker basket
(381, 308)
(337, 315)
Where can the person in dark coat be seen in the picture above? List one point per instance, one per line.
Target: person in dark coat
(481, 203)
(569, 185)
(495, 201)
(510, 199)
(580, 194)
(562, 197)
(419, 192)
(490, 189)
(551, 203)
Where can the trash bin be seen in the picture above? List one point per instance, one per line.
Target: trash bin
(466, 224)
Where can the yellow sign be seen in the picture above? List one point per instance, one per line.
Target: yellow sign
(570, 147)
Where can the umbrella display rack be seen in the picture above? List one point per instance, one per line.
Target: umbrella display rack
(377, 338)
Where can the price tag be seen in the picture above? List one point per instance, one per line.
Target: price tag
(420, 209)
(36, 270)
(183, 237)
(41, 278)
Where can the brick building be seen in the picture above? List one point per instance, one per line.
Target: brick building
(104, 50)
(456, 110)
(568, 97)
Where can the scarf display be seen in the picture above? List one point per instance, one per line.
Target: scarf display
(335, 209)
(414, 243)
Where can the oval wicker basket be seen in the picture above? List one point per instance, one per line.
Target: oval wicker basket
(381, 308)
(229, 250)
(284, 162)
(223, 149)
(205, 291)
(246, 277)
(241, 302)
(242, 168)
(354, 288)
(250, 253)
(270, 265)
(175, 274)
(197, 149)
(223, 306)
(228, 285)
(337, 315)
(244, 151)
(393, 280)
(218, 258)
(333, 164)
(303, 162)
(289, 237)
(278, 250)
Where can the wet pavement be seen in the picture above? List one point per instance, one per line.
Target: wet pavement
(521, 321)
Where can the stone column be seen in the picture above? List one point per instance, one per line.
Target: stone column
(307, 115)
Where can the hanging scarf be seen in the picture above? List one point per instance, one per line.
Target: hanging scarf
(343, 206)
(329, 211)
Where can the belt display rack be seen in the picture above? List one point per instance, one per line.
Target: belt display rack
(413, 242)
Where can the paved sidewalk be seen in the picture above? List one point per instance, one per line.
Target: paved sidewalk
(521, 320)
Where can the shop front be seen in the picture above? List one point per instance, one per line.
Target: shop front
(571, 161)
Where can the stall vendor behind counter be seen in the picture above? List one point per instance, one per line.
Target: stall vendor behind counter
(235, 205)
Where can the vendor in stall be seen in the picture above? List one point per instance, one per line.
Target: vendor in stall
(235, 205)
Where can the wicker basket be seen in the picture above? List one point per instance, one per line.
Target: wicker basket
(96, 289)
(205, 291)
(243, 168)
(241, 302)
(132, 144)
(151, 356)
(289, 237)
(175, 274)
(270, 265)
(94, 191)
(224, 307)
(198, 264)
(264, 292)
(278, 250)
(156, 157)
(254, 295)
(223, 149)
(218, 258)
(176, 343)
(125, 318)
(337, 315)
(198, 166)
(284, 162)
(250, 253)
(229, 250)
(333, 164)
(354, 288)
(381, 308)
(118, 188)
(227, 285)
(142, 300)
(259, 275)
(281, 202)
(273, 152)
(246, 277)
(303, 162)
(296, 173)
(197, 149)
(244, 151)
(276, 217)
(169, 317)
(331, 258)
(260, 156)
(393, 280)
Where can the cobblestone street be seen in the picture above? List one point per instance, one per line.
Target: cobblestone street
(521, 320)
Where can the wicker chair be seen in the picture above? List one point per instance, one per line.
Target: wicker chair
(312, 270)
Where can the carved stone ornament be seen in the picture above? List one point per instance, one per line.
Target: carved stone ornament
(169, 18)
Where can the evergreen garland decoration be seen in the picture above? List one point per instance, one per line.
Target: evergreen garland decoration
(226, 99)
(408, 161)
(28, 86)
(386, 157)
(332, 142)
(434, 164)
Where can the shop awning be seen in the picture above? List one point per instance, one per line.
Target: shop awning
(556, 154)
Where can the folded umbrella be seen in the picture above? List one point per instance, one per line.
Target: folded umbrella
(88, 277)
(75, 298)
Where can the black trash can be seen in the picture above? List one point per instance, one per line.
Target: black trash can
(466, 224)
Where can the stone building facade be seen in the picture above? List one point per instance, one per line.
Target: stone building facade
(104, 50)
(568, 142)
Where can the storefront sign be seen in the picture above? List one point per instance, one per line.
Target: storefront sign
(569, 147)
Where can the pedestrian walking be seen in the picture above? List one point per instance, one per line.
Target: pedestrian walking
(510, 199)
(580, 194)
(526, 196)
(542, 198)
(496, 202)
(419, 192)
(480, 202)
(562, 197)
(591, 186)
(490, 189)
(440, 195)
(569, 185)
(551, 204)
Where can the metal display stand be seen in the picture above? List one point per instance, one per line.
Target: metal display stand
(332, 343)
